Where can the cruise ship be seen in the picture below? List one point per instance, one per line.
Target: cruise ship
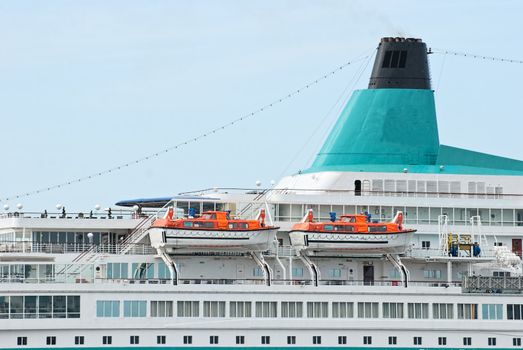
(309, 262)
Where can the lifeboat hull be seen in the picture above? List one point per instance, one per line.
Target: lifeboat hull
(354, 243)
(184, 240)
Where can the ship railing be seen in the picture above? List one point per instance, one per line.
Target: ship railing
(64, 248)
(116, 214)
(491, 284)
(431, 253)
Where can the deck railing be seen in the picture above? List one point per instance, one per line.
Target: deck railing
(65, 248)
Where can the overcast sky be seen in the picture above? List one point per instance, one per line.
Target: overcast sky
(88, 85)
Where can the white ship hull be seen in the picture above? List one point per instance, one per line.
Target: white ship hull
(387, 243)
(181, 240)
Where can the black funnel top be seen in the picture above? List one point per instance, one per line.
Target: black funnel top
(401, 63)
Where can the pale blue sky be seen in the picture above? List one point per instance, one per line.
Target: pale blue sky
(87, 85)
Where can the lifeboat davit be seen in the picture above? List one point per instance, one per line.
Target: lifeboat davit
(212, 231)
(351, 234)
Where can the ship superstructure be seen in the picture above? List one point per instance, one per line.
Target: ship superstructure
(115, 279)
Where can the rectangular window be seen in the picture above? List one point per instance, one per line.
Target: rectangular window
(59, 306)
(291, 309)
(240, 339)
(467, 341)
(367, 340)
(257, 272)
(442, 340)
(425, 244)
(492, 311)
(266, 309)
(317, 309)
(50, 341)
(214, 309)
(434, 274)
(334, 273)
(161, 339)
(516, 341)
(213, 339)
(107, 340)
(291, 339)
(20, 341)
(442, 311)
(79, 340)
(392, 310)
(491, 341)
(342, 309)
(265, 339)
(4, 307)
(418, 310)
(134, 308)
(240, 309)
(45, 306)
(416, 340)
(393, 340)
(107, 308)
(161, 308)
(316, 340)
(342, 340)
(187, 339)
(368, 310)
(134, 340)
(468, 311)
(188, 309)
(297, 271)
(514, 311)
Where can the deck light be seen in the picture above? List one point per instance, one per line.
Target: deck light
(6, 207)
(19, 206)
(58, 206)
(97, 207)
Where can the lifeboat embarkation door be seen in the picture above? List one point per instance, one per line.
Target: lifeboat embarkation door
(368, 275)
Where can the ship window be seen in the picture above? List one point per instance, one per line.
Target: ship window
(187, 339)
(161, 339)
(432, 274)
(161, 308)
(59, 306)
(51, 340)
(467, 341)
(317, 309)
(73, 306)
(30, 306)
(468, 311)
(442, 340)
(142, 270)
(367, 310)
(187, 224)
(425, 245)
(134, 340)
(416, 340)
(418, 310)
(240, 339)
(214, 309)
(79, 340)
(291, 339)
(4, 307)
(107, 308)
(240, 309)
(334, 273)
(492, 311)
(107, 340)
(204, 224)
(17, 306)
(257, 272)
(342, 310)
(344, 228)
(265, 339)
(20, 341)
(393, 340)
(367, 340)
(392, 310)
(213, 339)
(403, 59)
(492, 341)
(266, 309)
(514, 311)
(188, 308)
(328, 227)
(316, 340)
(134, 308)
(386, 59)
(117, 270)
(516, 341)
(380, 228)
(342, 340)
(291, 309)
(297, 271)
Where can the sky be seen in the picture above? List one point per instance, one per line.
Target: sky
(88, 85)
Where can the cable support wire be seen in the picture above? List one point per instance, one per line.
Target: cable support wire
(470, 55)
(188, 141)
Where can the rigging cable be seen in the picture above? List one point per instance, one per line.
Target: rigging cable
(470, 55)
(188, 141)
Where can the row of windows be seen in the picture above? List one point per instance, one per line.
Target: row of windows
(265, 340)
(299, 309)
(40, 306)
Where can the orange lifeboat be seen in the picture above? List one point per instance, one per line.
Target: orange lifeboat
(212, 231)
(351, 233)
